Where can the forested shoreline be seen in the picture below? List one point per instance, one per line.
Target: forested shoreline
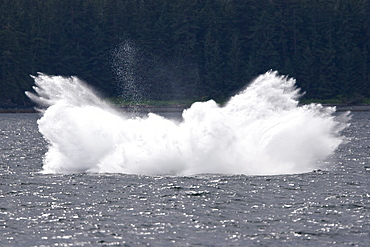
(186, 49)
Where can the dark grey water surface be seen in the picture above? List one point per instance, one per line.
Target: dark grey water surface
(321, 208)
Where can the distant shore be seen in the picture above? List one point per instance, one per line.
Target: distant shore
(351, 107)
(18, 110)
(177, 108)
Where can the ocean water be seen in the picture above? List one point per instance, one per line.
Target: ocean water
(68, 181)
(318, 208)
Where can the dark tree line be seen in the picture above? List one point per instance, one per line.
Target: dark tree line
(193, 49)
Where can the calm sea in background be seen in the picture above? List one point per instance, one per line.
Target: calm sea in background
(320, 208)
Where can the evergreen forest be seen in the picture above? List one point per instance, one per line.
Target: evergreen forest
(186, 49)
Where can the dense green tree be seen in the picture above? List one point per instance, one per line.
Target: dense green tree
(194, 49)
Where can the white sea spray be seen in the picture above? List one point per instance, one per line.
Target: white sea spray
(261, 130)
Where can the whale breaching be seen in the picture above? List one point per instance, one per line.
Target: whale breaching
(262, 130)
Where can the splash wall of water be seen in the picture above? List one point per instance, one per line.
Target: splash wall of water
(261, 130)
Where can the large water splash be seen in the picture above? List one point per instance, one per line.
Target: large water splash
(261, 130)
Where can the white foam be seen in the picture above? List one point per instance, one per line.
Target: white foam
(261, 130)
